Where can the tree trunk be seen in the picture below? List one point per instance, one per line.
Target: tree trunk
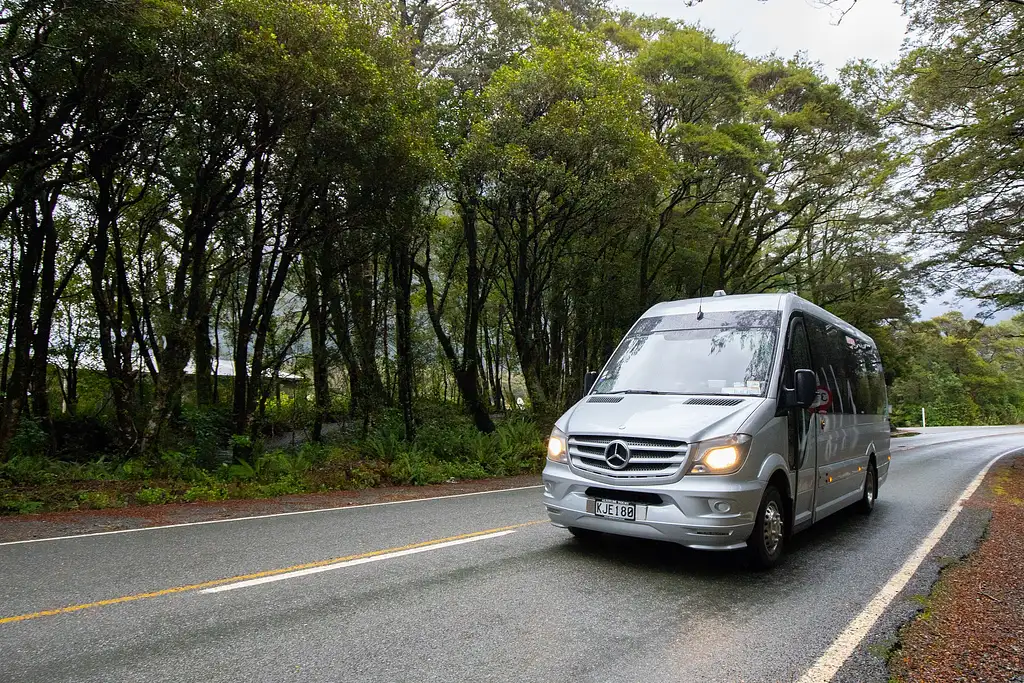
(71, 388)
(464, 369)
(401, 264)
(44, 313)
(115, 344)
(318, 337)
(16, 398)
(360, 290)
(204, 360)
(342, 336)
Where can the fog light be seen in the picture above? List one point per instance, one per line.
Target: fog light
(722, 506)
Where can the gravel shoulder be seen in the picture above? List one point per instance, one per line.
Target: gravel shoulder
(28, 527)
(971, 626)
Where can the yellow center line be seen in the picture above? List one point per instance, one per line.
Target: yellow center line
(254, 575)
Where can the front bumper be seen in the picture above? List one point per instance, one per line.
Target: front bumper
(690, 511)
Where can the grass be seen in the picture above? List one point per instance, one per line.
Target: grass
(445, 450)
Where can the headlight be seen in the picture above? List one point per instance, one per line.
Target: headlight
(558, 448)
(721, 456)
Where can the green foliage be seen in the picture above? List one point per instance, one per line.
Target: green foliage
(363, 477)
(153, 496)
(456, 450)
(555, 168)
(98, 500)
(208, 429)
(447, 448)
(960, 108)
(178, 465)
(960, 371)
(386, 444)
(27, 470)
(19, 504)
(205, 492)
(28, 441)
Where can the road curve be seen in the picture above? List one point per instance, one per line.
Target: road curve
(474, 588)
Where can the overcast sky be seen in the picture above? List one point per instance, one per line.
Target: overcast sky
(873, 28)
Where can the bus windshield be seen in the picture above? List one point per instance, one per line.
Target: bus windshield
(719, 360)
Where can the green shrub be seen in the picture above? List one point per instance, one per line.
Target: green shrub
(98, 500)
(365, 477)
(241, 471)
(179, 465)
(28, 441)
(270, 467)
(19, 504)
(385, 445)
(208, 428)
(521, 446)
(97, 470)
(153, 496)
(205, 492)
(28, 470)
(135, 468)
(314, 453)
(456, 441)
(413, 467)
(467, 470)
(447, 447)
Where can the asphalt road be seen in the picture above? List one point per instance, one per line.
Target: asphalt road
(522, 603)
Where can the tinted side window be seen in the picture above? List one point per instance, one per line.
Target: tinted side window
(851, 369)
(871, 380)
(798, 355)
(822, 356)
(841, 367)
(878, 382)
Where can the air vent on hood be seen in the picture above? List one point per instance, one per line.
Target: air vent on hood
(714, 401)
(604, 399)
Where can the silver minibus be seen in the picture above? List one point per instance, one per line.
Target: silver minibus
(722, 423)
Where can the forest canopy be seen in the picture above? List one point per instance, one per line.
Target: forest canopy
(221, 219)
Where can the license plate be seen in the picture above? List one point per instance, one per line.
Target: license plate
(613, 509)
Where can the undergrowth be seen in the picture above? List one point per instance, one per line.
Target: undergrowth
(444, 449)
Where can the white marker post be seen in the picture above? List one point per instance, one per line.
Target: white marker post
(923, 422)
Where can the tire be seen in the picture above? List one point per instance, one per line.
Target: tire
(585, 535)
(766, 541)
(867, 501)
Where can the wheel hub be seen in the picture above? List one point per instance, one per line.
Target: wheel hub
(773, 526)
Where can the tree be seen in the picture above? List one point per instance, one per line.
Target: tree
(961, 97)
(564, 153)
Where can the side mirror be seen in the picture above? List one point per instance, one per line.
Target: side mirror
(806, 389)
(588, 381)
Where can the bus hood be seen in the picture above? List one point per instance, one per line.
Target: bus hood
(683, 418)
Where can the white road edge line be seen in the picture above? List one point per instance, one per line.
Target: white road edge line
(351, 563)
(843, 646)
(274, 514)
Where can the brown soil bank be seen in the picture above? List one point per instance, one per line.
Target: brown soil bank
(972, 628)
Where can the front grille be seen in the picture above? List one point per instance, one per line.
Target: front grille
(714, 401)
(651, 460)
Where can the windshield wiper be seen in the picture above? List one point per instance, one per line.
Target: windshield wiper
(649, 392)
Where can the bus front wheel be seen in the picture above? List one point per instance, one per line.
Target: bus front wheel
(769, 535)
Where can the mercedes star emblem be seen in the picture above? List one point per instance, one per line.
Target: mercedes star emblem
(617, 455)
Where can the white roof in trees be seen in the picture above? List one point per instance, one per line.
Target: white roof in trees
(226, 368)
